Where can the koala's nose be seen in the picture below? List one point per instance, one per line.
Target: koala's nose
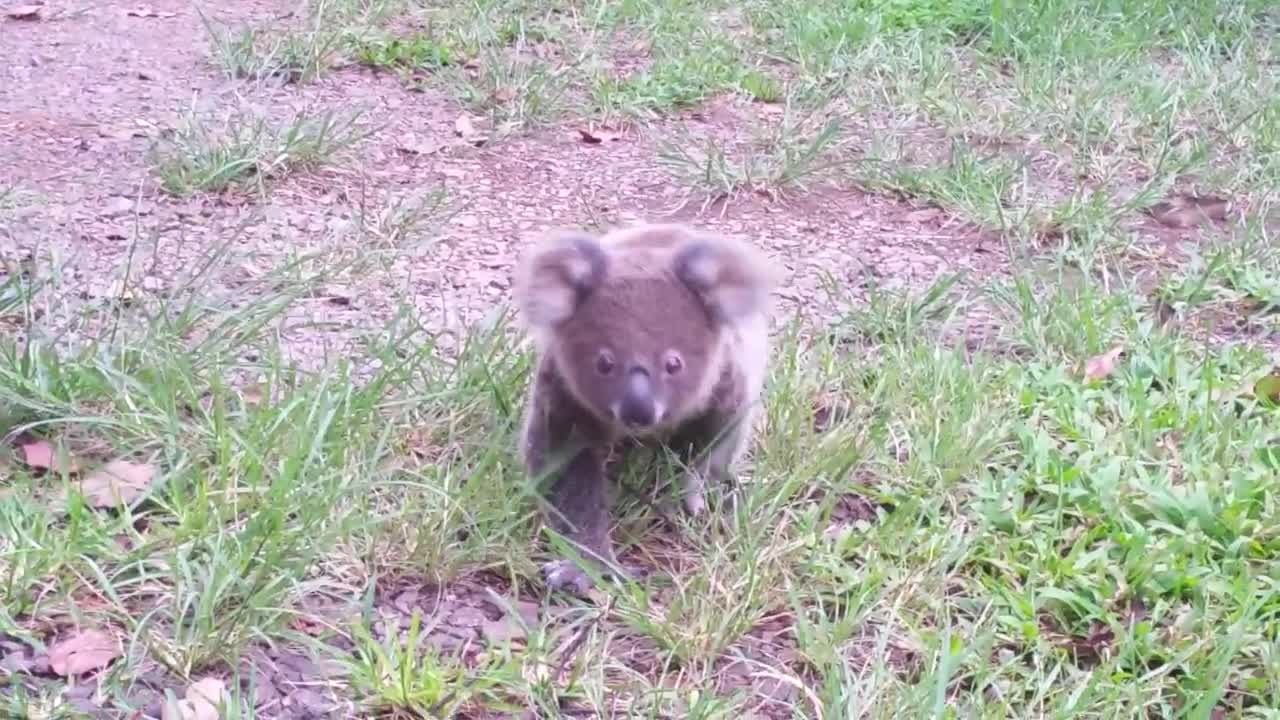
(637, 400)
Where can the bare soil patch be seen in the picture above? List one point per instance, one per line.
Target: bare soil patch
(89, 94)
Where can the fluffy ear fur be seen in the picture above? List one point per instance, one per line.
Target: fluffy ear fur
(731, 277)
(557, 275)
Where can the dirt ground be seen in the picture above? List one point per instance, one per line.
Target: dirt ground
(88, 89)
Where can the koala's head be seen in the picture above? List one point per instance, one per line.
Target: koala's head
(636, 321)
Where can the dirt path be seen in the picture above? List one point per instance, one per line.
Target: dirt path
(87, 91)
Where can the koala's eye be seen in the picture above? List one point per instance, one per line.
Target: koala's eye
(605, 362)
(674, 363)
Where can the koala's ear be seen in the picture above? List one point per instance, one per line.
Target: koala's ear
(554, 278)
(732, 278)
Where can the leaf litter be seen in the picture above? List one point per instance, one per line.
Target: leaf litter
(1099, 367)
(41, 455)
(466, 129)
(201, 701)
(593, 136)
(83, 652)
(24, 12)
(143, 11)
(118, 482)
(1267, 388)
(1185, 210)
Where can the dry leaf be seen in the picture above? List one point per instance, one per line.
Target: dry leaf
(120, 133)
(1164, 312)
(411, 146)
(24, 12)
(206, 695)
(119, 291)
(464, 127)
(592, 136)
(924, 215)
(146, 12)
(1268, 388)
(118, 482)
(502, 631)
(37, 455)
(200, 703)
(40, 455)
(82, 652)
(1100, 366)
(308, 626)
(1184, 211)
(253, 395)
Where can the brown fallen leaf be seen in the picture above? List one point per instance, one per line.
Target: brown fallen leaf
(23, 12)
(146, 12)
(120, 133)
(1268, 388)
(924, 215)
(1164, 311)
(464, 127)
(1100, 366)
(505, 630)
(412, 146)
(591, 136)
(115, 291)
(41, 455)
(1094, 646)
(1137, 611)
(118, 482)
(1184, 211)
(82, 652)
(253, 395)
(37, 455)
(200, 702)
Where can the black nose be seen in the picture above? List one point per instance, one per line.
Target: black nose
(637, 401)
(637, 413)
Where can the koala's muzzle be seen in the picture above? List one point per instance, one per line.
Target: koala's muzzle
(637, 407)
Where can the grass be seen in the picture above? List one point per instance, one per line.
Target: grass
(249, 150)
(261, 54)
(1093, 553)
(923, 529)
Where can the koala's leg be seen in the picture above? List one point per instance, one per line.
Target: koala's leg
(573, 467)
(579, 510)
(710, 445)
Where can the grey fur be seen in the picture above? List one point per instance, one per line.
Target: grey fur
(657, 322)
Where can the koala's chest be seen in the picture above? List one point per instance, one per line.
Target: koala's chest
(620, 447)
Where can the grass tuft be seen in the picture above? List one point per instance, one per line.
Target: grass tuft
(248, 150)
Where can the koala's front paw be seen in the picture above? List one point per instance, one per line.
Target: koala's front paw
(695, 501)
(566, 575)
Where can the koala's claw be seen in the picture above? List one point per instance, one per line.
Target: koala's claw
(668, 509)
(566, 575)
(695, 503)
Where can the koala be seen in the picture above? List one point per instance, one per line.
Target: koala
(653, 333)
